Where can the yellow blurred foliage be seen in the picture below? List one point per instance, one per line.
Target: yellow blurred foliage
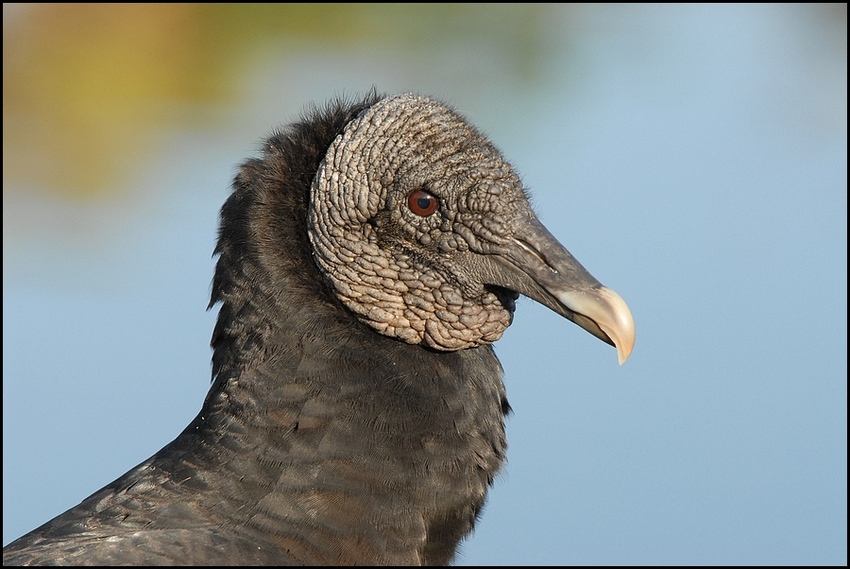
(85, 86)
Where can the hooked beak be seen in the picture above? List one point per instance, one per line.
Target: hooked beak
(535, 264)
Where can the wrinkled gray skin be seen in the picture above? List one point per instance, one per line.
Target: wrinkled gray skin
(409, 276)
(430, 279)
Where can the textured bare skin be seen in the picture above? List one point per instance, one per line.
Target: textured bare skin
(400, 272)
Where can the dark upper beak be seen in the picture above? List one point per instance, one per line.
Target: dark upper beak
(533, 263)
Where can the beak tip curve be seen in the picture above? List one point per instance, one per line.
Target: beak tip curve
(620, 328)
(623, 354)
(605, 314)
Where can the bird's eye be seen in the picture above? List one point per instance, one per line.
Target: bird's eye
(422, 203)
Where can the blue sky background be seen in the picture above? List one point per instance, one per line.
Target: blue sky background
(692, 157)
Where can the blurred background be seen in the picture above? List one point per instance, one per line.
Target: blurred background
(692, 157)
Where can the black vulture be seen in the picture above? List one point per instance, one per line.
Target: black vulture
(366, 264)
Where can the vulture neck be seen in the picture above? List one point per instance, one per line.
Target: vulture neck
(334, 433)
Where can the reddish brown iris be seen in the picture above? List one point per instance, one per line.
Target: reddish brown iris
(422, 203)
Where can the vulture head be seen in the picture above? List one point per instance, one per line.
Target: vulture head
(366, 263)
(427, 235)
